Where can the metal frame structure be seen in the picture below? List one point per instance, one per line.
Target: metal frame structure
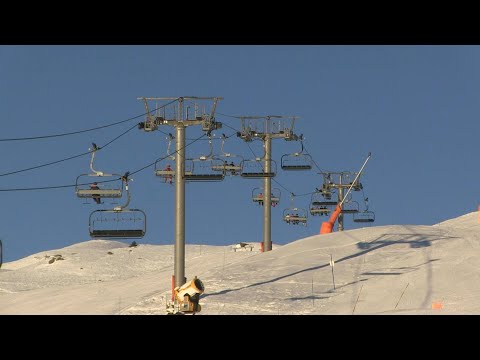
(120, 214)
(231, 163)
(82, 186)
(296, 161)
(294, 215)
(364, 217)
(266, 128)
(257, 196)
(206, 164)
(340, 181)
(180, 112)
(160, 170)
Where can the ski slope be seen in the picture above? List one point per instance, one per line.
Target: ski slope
(396, 269)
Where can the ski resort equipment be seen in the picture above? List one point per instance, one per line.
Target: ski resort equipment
(120, 222)
(254, 168)
(186, 297)
(109, 185)
(163, 167)
(230, 163)
(327, 226)
(294, 215)
(258, 196)
(319, 206)
(350, 207)
(202, 168)
(364, 217)
(297, 161)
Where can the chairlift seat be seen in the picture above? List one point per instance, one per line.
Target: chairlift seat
(324, 203)
(103, 193)
(364, 220)
(165, 173)
(297, 167)
(256, 175)
(204, 177)
(135, 233)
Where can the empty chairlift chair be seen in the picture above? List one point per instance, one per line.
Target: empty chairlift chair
(119, 222)
(350, 207)
(296, 161)
(364, 217)
(255, 169)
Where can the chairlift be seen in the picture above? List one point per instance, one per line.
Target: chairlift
(98, 184)
(163, 167)
(296, 161)
(202, 168)
(231, 163)
(364, 217)
(295, 216)
(257, 196)
(350, 207)
(254, 169)
(317, 199)
(119, 222)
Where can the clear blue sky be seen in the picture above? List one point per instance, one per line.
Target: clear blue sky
(414, 107)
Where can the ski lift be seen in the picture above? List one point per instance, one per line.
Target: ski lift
(294, 215)
(87, 185)
(364, 217)
(119, 222)
(254, 169)
(163, 168)
(350, 207)
(318, 206)
(257, 196)
(231, 163)
(317, 199)
(202, 168)
(297, 161)
(349, 178)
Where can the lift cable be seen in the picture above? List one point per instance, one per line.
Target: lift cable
(105, 181)
(69, 158)
(83, 131)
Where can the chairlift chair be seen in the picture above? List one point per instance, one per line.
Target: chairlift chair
(257, 196)
(350, 207)
(202, 169)
(254, 169)
(364, 217)
(119, 222)
(295, 216)
(231, 163)
(109, 185)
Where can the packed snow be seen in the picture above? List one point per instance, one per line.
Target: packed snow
(396, 269)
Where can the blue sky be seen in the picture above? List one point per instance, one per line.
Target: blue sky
(414, 107)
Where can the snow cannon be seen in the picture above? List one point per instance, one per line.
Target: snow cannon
(188, 295)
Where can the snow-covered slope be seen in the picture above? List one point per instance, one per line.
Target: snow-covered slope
(396, 269)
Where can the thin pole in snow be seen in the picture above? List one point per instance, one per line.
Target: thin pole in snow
(332, 264)
(313, 297)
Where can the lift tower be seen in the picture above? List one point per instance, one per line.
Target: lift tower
(180, 112)
(340, 181)
(265, 128)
